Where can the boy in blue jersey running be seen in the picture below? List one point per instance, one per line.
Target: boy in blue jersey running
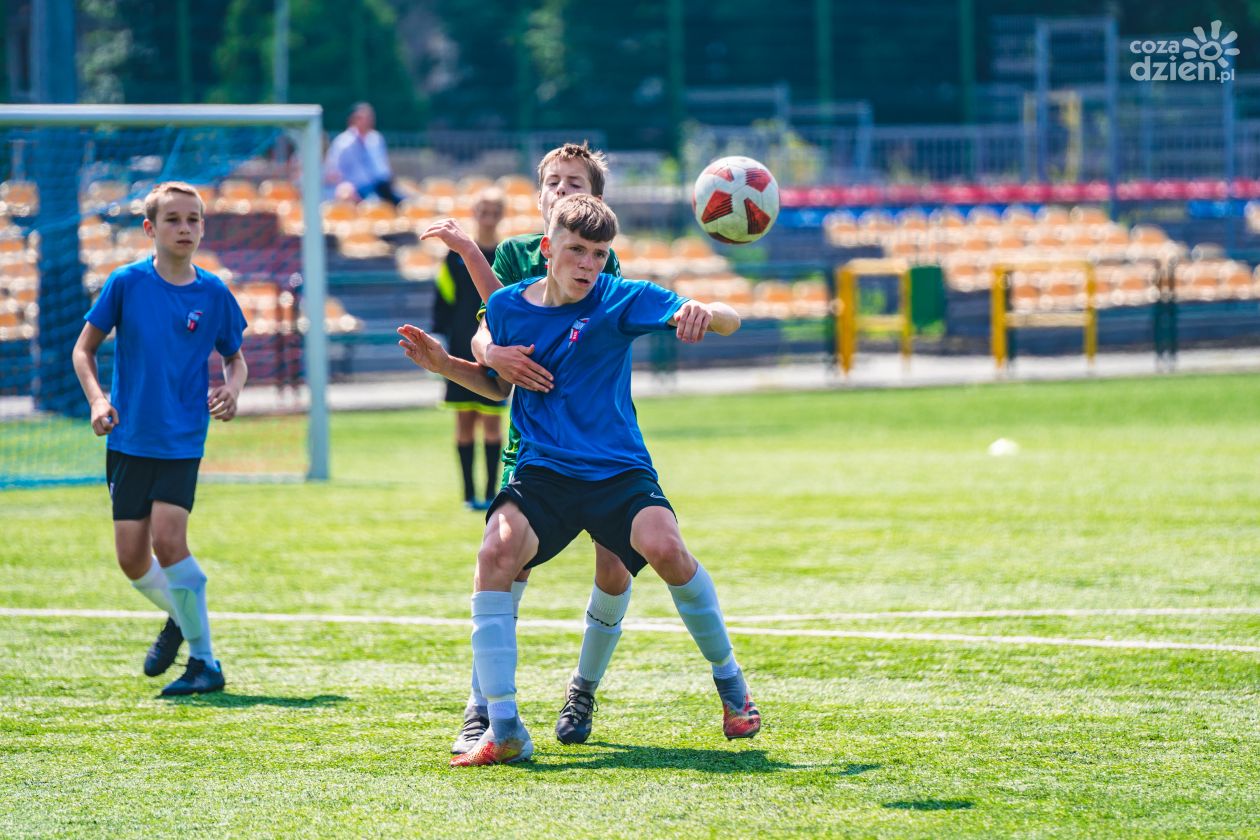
(583, 464)
(569, 169)
(168, 316)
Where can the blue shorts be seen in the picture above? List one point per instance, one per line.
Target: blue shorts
(559, 508)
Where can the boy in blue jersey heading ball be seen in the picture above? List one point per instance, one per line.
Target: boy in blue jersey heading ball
(168, 316)
(582, 464)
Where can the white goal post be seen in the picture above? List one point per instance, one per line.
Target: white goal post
(305, 123)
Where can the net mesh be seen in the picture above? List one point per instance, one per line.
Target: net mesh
(71, 212)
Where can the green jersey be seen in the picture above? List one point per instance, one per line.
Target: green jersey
(520, 258)
(517, 259)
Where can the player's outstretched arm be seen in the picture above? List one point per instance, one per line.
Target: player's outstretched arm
(454, 237)
(425, 351)
(511, 363)
(104, 415)
(694, 319)
(223, 399)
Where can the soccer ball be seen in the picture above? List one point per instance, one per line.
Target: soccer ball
(736, 200)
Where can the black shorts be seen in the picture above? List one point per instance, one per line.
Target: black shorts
(462, 399)
(135, 483)
(559, 508)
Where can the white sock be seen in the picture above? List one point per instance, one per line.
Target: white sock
(697, 604)
(188, 597)
(476, 698)
(153, 585)
(494, 655)
(604, 613)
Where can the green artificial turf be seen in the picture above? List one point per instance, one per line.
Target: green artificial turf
(849, 507)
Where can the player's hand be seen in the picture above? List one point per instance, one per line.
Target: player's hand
(451, 235)
(514, 366)
(104, 417)
(222, 402)
(693, 320)
(422, 348)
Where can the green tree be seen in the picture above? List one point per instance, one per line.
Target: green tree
(340, 51)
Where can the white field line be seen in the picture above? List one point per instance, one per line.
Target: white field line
(661, 627)
(1046, 613)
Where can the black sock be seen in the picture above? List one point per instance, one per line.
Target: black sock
(493, 468)
(465, 465)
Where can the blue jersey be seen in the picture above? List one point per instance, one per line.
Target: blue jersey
(585, 427)
(165, 335)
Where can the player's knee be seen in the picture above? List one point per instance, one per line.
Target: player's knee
(134, 563)
(169, 548)
(496, 559)
(613, 579)
(665, 551)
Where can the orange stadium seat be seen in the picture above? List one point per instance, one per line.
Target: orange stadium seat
(1148, 235)
(274, 191)
(363, 244)
(19, 198)
(983, 217)
(110, 197)
(13, 248)
(1089, 215)
(208, 197)
(1053, 215)
(517, 186)
(439, 187)
(133, 239)
(470, 186)
(337, 321)
(417, 263)
(377, 216)
(912, 220)
(236, 195)
(1234, 280)
(1017, 217)
(339, 216)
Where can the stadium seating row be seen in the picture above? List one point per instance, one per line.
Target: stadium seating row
(432, 196)
(1130, 261)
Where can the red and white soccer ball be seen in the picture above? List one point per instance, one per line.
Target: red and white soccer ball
(736, 200)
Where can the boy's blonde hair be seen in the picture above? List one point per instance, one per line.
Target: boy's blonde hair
(491, 195)
(164, 189)
(587, 216)
(594, 160)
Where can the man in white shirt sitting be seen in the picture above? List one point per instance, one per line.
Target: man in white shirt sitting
(357, 164)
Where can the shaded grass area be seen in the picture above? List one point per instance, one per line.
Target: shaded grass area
(1124, 494)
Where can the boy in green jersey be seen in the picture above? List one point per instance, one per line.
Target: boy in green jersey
(567, 170)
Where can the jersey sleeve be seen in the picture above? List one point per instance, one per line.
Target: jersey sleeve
(649, 307)
(107, 311)
(505, 268)
(231, 327)
(492, 311)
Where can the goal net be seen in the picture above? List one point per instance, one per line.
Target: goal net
(72, 183)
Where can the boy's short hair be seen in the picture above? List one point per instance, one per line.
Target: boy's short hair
(491, 195)
(166, 188)
(587, 216)
(594, 160)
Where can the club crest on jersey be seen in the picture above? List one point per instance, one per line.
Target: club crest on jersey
(193, 317)
(576, 329)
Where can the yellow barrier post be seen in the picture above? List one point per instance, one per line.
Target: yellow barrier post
(848, 318)
(847, 322)
(1091, 315)
(997, 317)
(1001, 320)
